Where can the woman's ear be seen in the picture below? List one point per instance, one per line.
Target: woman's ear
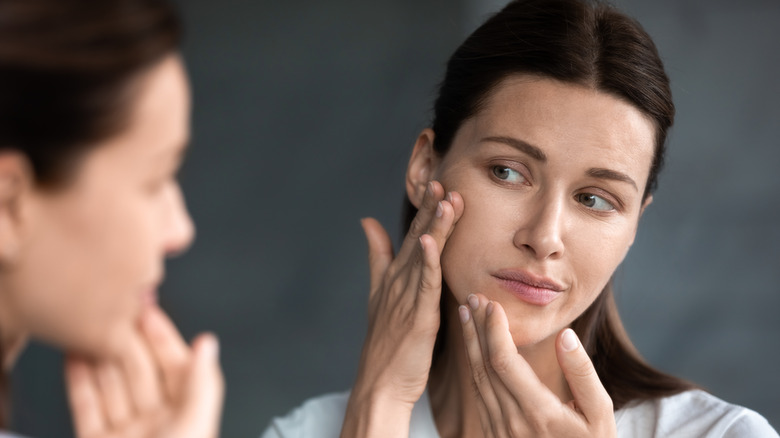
(422, 166)
(15, 177)
(646, 203)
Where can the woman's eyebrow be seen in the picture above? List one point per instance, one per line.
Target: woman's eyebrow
(527, 148)
(612, 175)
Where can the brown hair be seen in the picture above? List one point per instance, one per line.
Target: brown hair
(589, 44)
(67, 68)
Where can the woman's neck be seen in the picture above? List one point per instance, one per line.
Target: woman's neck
(450, 388)
(12, 338)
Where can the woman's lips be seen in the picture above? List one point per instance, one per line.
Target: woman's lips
(530, 288)
(149, 297)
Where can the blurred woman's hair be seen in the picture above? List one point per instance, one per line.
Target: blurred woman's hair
(577, 42)
(68, 71)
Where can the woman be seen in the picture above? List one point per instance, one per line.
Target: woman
(94, 121)
(496, 317)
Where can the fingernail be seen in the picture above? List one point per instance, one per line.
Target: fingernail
(464, 313)
(429, 190)
(439, 210)
(210, 346)
(449, 197)
(489, 309)
(473, 301)
(569, 340)
(422, 243)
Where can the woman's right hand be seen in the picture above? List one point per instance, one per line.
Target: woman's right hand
(403, 318)
(159, 387)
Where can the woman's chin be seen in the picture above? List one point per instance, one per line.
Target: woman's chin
(105, 343)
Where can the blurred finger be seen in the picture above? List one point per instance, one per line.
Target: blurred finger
(84, 399)
(590, 396)
(380, 251)
(167, 347)
(202, 407)
(142, 376)
(116, 400)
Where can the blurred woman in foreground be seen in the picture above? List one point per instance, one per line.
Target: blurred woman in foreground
(94, 123)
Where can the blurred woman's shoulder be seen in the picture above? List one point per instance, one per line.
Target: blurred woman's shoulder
(692, 413)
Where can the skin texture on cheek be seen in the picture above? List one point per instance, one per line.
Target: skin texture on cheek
(538, 226)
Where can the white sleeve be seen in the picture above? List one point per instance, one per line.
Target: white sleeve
(750, 425)
(320, 417)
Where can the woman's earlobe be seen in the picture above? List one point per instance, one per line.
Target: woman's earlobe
(422, 166)
(13, 172)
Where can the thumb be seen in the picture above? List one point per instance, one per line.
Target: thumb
(201, 408)
(590, 396)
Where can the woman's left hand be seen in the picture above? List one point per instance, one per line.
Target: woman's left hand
(158, 387)
(512, 401)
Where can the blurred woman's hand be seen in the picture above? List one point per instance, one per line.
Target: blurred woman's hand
(158, 387)
(511, 400)
(403, 318)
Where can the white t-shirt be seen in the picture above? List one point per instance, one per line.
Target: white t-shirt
(691, 414)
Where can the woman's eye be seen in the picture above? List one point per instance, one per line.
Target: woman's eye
(594, 202)
(507, 174)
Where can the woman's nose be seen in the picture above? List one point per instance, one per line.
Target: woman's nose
(179, 228)
(541, 230)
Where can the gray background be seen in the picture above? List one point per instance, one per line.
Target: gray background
(305, 112)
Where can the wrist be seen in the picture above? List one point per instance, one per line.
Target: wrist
(376, 414)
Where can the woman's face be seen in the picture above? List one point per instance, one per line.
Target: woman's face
(92, 254)
(552, 177)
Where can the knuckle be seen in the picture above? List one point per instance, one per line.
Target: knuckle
(417, 260)
(480, 374)
(583, 369)
(539, 422)
(500, 361)
(517, 428)
(430, 282)
(417, 228)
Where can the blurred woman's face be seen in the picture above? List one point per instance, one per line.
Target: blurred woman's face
(93, 253)
(552, 177)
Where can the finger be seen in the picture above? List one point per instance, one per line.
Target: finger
(205, 388)
(484, 415)
(116, 399)
(83, 399)
(500, 354)
(380, 251)
(142, 375)
(590, 396)
(170, 351)
(512, 370)
(513, 422)
(479, 372)
(421, 222)
(458, 206)
(442, 224)
(429, 294)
